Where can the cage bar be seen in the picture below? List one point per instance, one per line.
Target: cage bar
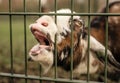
(88, 57)
(21, 76)
(106, 40)
(27, 77)
(72, 39)
(59, 14)
(55, 53)
(40, 9)
(11, 44)
(25, 41)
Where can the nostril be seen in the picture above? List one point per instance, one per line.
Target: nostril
(34, 27)
(45, 24)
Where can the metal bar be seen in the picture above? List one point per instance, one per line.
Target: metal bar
(55, 56)
(21, 76)
(40, 69)
(11, 42)
(25, 41)
(88, 57)
(55, 6)
(62, 14)
(106, 40)
(72, 39)
(39, 9)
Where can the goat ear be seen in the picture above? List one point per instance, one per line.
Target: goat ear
(99, 51)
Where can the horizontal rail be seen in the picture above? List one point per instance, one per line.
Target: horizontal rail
(44, 78)
(75, 14)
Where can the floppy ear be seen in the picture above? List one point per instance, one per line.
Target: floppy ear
(99, 51)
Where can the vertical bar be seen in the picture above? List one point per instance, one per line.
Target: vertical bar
(106, 40)
(55, 56)
(55, 41)
(39, 9)
(55, 6)
(71, 67)
(25, 41)
(88, 57)
(39, 5)
(11, 44)
(40, 81)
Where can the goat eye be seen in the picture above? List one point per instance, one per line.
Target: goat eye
(78, 23)
(75, 22)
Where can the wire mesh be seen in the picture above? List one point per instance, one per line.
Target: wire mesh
(25, 76)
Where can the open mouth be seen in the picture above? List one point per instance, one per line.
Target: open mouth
(43, 39)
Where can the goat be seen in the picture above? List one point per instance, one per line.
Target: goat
(45, 30)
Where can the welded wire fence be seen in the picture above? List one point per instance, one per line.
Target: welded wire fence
(25, 76)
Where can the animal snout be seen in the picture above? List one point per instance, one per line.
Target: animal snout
(37, 25)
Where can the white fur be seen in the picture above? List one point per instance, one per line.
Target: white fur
(47, 30)
(45, 58)
(98, 47)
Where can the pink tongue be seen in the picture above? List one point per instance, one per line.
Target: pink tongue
(37, 49)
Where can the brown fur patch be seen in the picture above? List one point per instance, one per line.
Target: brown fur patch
(65, 63)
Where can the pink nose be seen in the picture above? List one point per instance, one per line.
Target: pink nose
(34, 27)
(37, 25)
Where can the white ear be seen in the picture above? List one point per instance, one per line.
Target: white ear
(99, 50)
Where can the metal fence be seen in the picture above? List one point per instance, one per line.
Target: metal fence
(25, 76)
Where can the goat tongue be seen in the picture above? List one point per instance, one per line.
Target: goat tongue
(37, 49)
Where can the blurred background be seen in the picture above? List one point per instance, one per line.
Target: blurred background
(20, 43)
(33, 5)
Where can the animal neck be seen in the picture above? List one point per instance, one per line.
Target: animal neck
(64, 53)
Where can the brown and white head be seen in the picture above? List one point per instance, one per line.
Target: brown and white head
(46, 30)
